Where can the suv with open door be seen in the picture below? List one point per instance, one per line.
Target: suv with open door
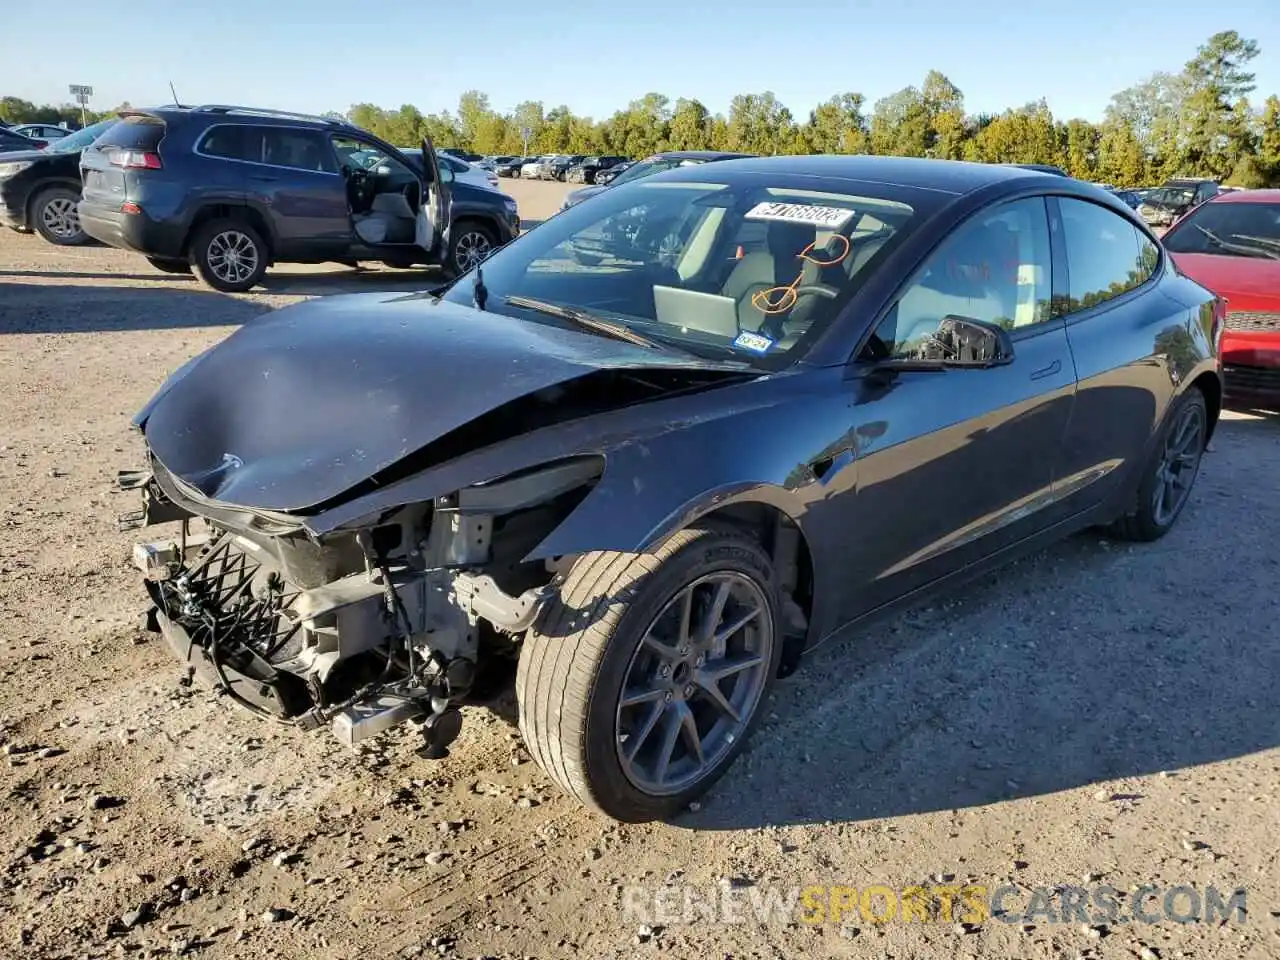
(232, 190)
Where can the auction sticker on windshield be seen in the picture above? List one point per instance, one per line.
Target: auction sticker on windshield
(818, 216)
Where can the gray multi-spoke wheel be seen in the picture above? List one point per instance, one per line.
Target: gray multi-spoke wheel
(640, 682)
(693, 682)
(55, 216)
(470, 244)
(1171, 471)
(229, 255)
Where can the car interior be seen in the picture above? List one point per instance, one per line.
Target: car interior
(383, 194)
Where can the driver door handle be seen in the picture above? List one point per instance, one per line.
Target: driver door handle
(263, 178)
(1048, 371)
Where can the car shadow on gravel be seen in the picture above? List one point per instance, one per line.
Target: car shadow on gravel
(75, 308)
(1089, 663)
(77, 275)
(327, 283)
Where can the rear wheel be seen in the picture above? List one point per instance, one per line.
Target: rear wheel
(55, 217)
(640, 683)
(165, 265)
(229, 255)
(1170, 472)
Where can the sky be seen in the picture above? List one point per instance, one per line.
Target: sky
(317, 55)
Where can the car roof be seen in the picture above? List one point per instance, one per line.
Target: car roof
(701, 155)
(947, 176)
(1247, 196)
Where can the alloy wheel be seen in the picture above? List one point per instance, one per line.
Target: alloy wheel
(61, 218)
(473, 248)
(232, 256)
(694, 683)
(1179, 463)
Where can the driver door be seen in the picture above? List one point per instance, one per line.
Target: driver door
(435, 212)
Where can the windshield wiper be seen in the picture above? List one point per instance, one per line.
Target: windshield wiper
(1230, 247)
(1267, 243)
(584, 319)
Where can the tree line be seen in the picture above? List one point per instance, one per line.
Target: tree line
(1199, 121)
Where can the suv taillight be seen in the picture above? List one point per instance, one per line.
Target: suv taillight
(136, 159)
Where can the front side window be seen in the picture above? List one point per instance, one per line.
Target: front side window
(1104, 256)
(739, 271)
(996, 267)
(1229, 230)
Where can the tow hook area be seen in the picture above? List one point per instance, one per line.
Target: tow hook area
(480, 595)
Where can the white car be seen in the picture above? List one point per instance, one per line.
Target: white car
(533, 169)
(47, 132)
(468, 173)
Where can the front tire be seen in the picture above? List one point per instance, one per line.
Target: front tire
(229, 255)
(640, 683)
(470, 244)
(1169, 473)
(55, 216)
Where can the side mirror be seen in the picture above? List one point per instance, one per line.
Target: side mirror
(446, 174)
(961, 342)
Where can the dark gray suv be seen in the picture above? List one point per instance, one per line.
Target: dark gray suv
(232, 190)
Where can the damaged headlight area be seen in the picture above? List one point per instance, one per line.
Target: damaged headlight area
(404, 617)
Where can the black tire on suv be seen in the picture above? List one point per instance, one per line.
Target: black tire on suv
(229, 255)
(54, 216)
(470, 243)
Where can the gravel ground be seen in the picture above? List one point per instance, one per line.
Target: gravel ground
(1098, 714)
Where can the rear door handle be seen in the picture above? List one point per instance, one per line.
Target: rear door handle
(1048, 371)
(263, 179)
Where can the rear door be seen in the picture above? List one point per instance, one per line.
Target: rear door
(293, 175)
(1120, 330)
(431, 230)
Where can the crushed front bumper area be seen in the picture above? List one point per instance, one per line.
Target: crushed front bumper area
(359, 643)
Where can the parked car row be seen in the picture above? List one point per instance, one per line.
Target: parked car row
(231, 190)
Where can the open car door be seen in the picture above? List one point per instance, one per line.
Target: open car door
(431, 230)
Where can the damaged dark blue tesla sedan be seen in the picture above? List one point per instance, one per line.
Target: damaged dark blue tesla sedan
(648, 454)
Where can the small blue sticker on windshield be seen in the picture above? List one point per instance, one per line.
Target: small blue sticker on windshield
(753, 342)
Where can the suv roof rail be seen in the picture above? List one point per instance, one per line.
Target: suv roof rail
(268, 112)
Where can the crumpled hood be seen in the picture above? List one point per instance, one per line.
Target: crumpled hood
(300, 405)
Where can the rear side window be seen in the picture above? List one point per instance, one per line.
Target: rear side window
(227, 142)
(299, 149)
(1105, 257)
(134, 133)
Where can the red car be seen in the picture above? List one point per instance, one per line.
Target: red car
(1231, 244)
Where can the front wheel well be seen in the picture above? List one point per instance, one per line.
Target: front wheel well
(229, 211)
(1211, 387)
(41, 189)
(792, 559)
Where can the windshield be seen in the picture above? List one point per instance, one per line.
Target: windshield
(77, 141)
(1229, 230)
(649, 167)
(748, 272)
(1171, 196)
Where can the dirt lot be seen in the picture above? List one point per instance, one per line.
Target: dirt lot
(1096, 715)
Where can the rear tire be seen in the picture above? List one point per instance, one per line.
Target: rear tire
(1170, 472)
(608, 630)
(55, 217)
(169, 266)
(229, 255)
